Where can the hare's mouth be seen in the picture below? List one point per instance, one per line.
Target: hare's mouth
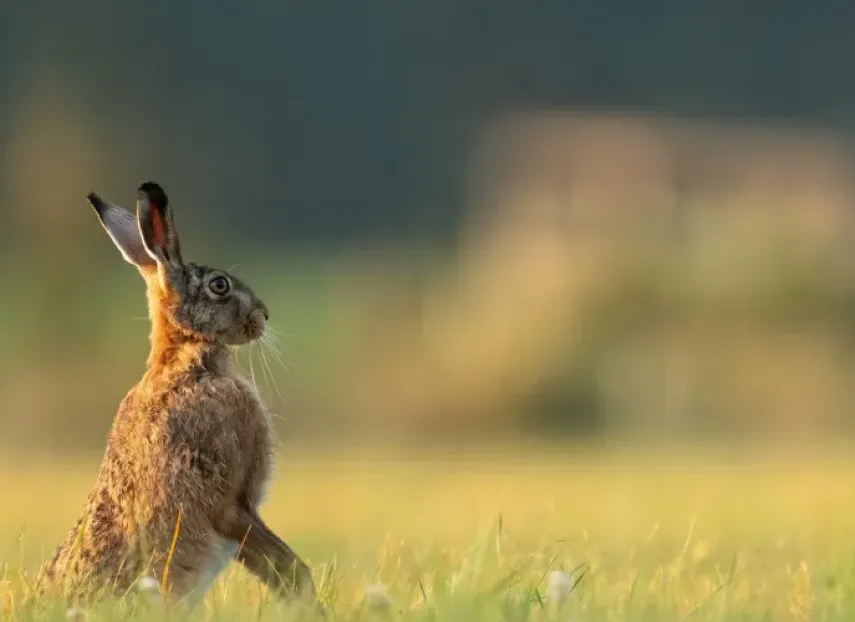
(255, 326)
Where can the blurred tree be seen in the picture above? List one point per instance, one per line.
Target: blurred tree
(337, 120)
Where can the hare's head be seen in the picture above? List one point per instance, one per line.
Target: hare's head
(194, 302)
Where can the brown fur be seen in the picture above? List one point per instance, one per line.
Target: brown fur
(192, 438)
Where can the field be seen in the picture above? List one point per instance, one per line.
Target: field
(640, 534)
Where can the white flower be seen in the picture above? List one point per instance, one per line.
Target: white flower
(75, 614)
(559, 587)
(377, 596)
(148, 584)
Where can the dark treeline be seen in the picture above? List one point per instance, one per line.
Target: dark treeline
(341, 120)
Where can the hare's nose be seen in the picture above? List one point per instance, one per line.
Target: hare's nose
(265, 312)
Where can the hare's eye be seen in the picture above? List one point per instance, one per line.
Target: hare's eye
(219, 285)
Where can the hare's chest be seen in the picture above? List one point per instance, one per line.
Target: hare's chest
(257, 423)
(260, 450)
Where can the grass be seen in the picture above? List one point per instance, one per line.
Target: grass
(640, 534)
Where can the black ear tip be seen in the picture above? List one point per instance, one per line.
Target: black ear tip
(152, 191)
(95, 201)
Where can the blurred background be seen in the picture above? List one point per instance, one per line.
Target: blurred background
(471, 220)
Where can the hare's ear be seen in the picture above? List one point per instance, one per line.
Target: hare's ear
(157, 226)
(122, 227)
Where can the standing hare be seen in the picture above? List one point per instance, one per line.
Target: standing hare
(190, 450)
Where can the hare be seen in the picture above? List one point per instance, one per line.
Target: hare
(190, 450)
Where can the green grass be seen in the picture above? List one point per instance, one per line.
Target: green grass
(652, 535)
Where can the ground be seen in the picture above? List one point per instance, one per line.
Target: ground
(636, 533)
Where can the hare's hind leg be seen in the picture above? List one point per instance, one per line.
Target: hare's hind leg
(266, 556)
(222, 552)
(189, 570)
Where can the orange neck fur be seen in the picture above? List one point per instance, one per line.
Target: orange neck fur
(174, 347)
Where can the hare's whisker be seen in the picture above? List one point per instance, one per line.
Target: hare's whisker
(277, 333)
(271, 374)
(273, 348)
(252, 369)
